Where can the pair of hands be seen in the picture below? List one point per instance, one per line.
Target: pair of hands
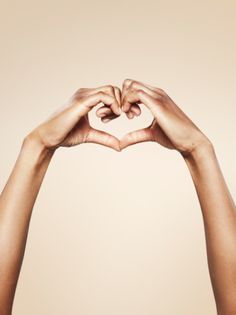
(69, 126)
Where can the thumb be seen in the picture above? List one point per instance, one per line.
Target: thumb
(103, 138)
(137, 136)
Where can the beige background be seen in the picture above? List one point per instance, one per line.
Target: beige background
(117, 233)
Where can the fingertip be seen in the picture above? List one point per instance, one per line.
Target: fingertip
(137, 110)
(101, 115)
(105, 120)
(103, 111)
(125, 109)
(125, 106)
(135, 114)
(127, 82)
(119, 110)
(130, 115)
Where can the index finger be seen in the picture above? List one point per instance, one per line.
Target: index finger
(112, 91)
(129, 93)
(84, 106)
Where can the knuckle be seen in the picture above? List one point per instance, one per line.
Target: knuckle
(127, 82)
(159, 97)
(117, 90)
(161, 91)
(134, 85)
(78, 92)
(100, 94)
(109, 88)
(81, 90)
(140, 93)
(125, 99)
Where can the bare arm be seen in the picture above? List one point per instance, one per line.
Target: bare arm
(174, 130)
(219, 214)
(16, 203)
(68, 126)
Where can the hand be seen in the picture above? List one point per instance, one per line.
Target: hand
(133, 111)
(170, 127)
(69, 126)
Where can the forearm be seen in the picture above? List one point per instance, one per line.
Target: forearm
(219, 216)
(16, 204)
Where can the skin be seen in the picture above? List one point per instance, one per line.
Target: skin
(170, 128)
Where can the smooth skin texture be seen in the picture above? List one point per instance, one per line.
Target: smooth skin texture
(170, 127)
(67, 127)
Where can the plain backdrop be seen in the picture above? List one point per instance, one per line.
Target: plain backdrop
(117, 233)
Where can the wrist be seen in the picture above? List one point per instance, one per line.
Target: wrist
(202, 154)
(35, 152)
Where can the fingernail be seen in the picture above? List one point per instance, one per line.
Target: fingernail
(105, 120)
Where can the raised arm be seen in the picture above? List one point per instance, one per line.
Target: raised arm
(67, 127)
(174, 130)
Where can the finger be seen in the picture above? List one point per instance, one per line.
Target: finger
(134, 137)
(132, 87)
(84, 106)
(118, 95)
(103, 138)
(108, 118)
(135, 109)
(130, 114)
(128, 82)
(131, 98)
(150, 87)
(125, 87)
(106, 114)
(111, 90)
(104, 111)
(154, 104)
(133, 84)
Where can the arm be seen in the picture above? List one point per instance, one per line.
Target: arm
(219, 214)
(16, 203)
(174, 130)
(68, 126)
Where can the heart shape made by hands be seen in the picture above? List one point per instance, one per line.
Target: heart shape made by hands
(120, 129)
(121, 125)
(155, 100)
(133, 94)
